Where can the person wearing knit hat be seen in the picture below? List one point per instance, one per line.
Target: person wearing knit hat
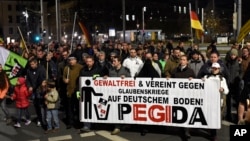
(72, 57)
(234, 52)
(71, 74)
(234, 67)
(85, 54)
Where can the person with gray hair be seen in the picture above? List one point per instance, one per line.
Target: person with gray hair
(103, 63)
(84, 56)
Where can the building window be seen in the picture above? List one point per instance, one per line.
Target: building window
(10, 19)
(10, 30)
(18, 7)
(17, 19)
(17, 32)
(9, 7)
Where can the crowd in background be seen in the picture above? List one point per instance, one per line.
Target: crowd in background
(59, 64)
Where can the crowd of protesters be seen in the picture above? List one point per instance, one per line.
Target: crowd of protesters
(58, 63)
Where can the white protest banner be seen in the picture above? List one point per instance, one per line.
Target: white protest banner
(173, 102)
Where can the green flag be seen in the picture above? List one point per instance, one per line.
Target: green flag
(12, 63)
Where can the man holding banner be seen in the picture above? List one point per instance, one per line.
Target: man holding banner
(223, 89)
(184, 71)
(118, 71)
(91, 70)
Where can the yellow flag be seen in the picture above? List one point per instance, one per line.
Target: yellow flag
(22, 44)
(245, 29)
(153, 36)
(198, 34)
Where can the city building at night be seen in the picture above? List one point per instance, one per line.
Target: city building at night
(25, 15)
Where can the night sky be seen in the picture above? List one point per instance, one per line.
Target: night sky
(221, 6)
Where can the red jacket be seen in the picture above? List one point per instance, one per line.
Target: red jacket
(21, 94)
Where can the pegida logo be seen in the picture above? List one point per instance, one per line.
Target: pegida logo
(102, 109)
(86, 96)
(14, 70)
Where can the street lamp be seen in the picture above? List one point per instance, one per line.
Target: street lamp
(123, 19)
(79, 38)
(137, 27)
(44, 33)
(137, 33)
(74, 37)
(143, 24)
(26, 15)
(40, 13)
(65, 38)
(28, 36)
(75, 34)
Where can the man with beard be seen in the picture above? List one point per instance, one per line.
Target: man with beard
(173, 62)
(70, 76)
(206, 68)
(117, 71)
(90, 69)
(35, 76)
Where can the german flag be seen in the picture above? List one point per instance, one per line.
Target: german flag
(85, 32)
(195, 23)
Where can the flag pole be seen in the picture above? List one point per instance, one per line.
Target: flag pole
(47, 70)
(202, 22)
(23, 39)
(191, 31)
(242, 43)
(72, 36)
(67, 73)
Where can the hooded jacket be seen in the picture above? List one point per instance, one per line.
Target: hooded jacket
(21, 94)
(52, 99)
